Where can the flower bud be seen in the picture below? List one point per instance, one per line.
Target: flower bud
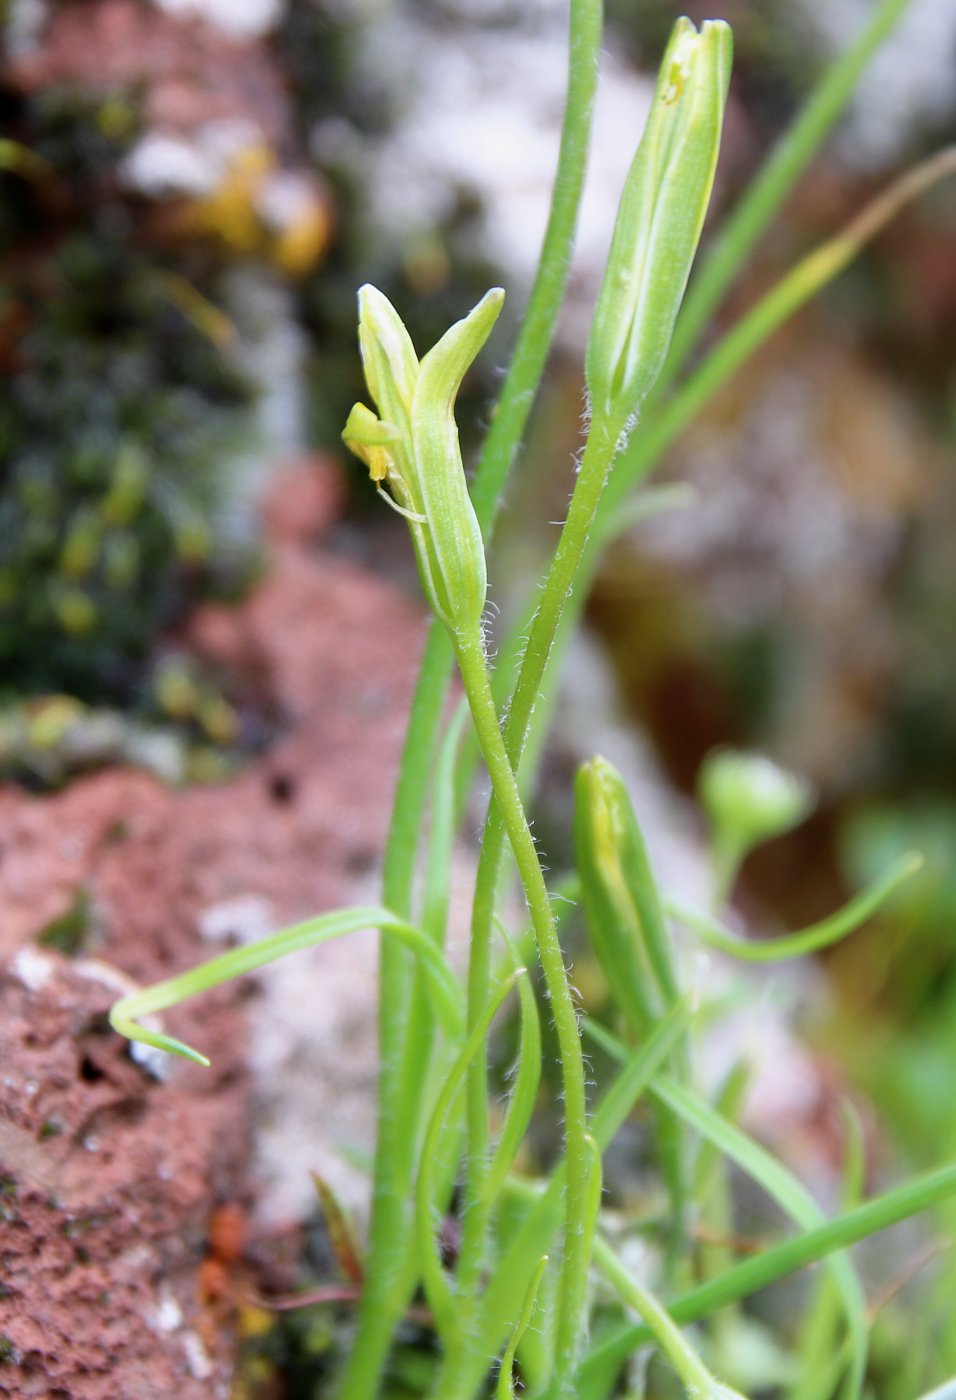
(412, 448)
(748, 800)
(625, 919)
(659, 221)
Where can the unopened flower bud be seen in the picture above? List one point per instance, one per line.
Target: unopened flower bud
(625, 919)
(748, 800)
(659, 221)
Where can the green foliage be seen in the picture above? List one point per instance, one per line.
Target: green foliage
(118, 408)
(113, 429)
(71, 933)
(661, 214)
(531, 1248)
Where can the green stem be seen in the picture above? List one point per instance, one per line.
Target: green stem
(810, 275)
(547, 293)
(389, 1284)
(477, 1205)
(390, 1238)
(575, 1259)
(697, 1380)
(595, 468)
(773, 1264)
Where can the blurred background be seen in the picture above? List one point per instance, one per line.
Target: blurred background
(190, 193)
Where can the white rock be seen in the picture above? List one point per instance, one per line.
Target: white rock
(161, 165)
(33, 968)
(23, 27)
(197, 1357)
(168, 1316)
(285, 199)
(239, 19)
(244, 919)
(479, 107)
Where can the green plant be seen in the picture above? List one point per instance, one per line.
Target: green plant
(521, 1288)
(119, 405)
(115, 424)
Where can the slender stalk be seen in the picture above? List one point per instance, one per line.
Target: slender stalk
(595, 468)
(793, 291)
(477, 1205)
(745, 1278)
(389, 1285)
(795, 945)
(547, 293)
(574, 1263)
(697, 1380)
(390, 1238)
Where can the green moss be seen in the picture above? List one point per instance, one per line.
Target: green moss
(113, 430)
(9, 1356)
(118, 412)
(8, 1195)
(72, 932)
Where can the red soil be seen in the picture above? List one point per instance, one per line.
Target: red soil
(108, 1178)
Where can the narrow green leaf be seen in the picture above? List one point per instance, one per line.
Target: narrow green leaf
(441, 837)
(505, 1389)
(523, 1095)
(775, 1263)
(697, 1379)
(809, 940)
(775, 1179)
(125, 1014)
(441, 1296)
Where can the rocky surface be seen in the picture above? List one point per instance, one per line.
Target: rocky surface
(109, 1177)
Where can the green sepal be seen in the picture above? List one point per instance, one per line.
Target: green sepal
(452, 537)
(621, 902)
(659, 221)
(388, 355)
(413, 447)
(364, 429)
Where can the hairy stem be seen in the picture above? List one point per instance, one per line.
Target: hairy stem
(575, 1259)
(389, 1284)
(595, 467)
(390, 1241)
